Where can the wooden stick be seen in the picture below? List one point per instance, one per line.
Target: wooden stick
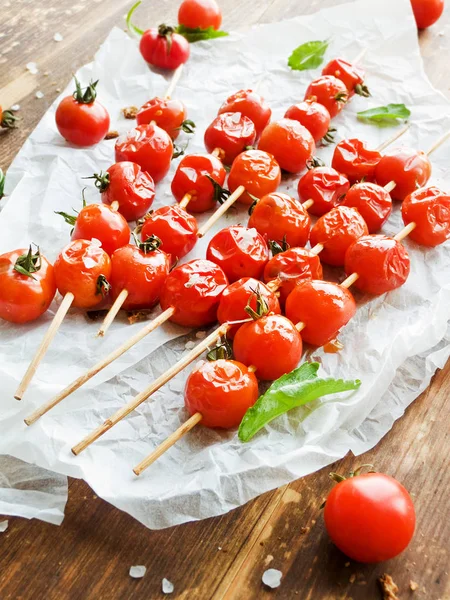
(168, 443)
(160, 319)
(404, 232)
(390, 186)
(221, 210)
(300, 326)
(308, 204)
(439, 143)
(114, 206)
(40, 353)
(158, 383)
(360, 56)
(317, 249)
(185, 200)
(217, 152)
(350, 280)
(395, 137)
(173, 82)
(112, 313)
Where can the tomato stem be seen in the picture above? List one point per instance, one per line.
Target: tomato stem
(166, 31)
(8, 119)
(362, 90)
(314, 162)
(222, 350)
(2, 184)
(187, 126)
(151, 244)
(277, 246)
(101, 181)
(89, 94)
(328, 138)
(262, 306)
(29, 263)
(220, 193)
(103, 286)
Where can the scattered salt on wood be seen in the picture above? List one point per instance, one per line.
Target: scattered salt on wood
(167, 586)
(58, 37)
(3, 526)
(39, 94)
(32, 68)
(137, 571)
(272, 578)
(15, 107)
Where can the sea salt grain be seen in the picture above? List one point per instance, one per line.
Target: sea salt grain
(272, 578)
(58, 37)
(32, 68)
(15, 107)
(3, 526)
(39, 94)
(137, 571)
(189, 345)
(167, 586)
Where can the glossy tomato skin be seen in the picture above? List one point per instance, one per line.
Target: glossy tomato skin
(221, 391)
(336, 230)
(352, 158)
(191, 177)
(175, 227)
(429, 208)
(82, 124)
(370, 517)
(325, 186)
(155, 50)
(23, 298)
(239, 251)
(231, 133)
(351, 75)
(279, 217)
(257, 171)
(289, 142)
(312, 115)
(167, 113)
(101, 222)
(328, 91)
(200, 13)
(381, 262)
(149, 146)
(130, 186)
(271, 344)
(325, 307)
(194, 290)
(251, 105)
(409, 168)
(372, 201)
(427, 12)
(77, 270)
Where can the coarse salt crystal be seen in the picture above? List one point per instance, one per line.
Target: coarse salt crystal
(272, 578)
(3, 526)
(189, 345)
(167, 586)
(58, 37)
(137, 571)
(15, 107)
(32, 68)
(39, 94)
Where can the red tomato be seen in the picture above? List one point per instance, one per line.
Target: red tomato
(429, 209)
(221, 391)
(336, 230)
(101, 222)
(166, 113)
(355, 160)
(372, 201)
(271, 344)
(328, 91)
(251, 105)
(257, 171)
(427, 12)
(325, 186)
(194, 290)
(175, 227)
(191, 177)
(381, 262)
(323, 306)
(149, 146)
(231, 133)
(409, 168)
(24, 298)
(199, 13)
(370, 517)
(312, 115)
(239, 251)
(290, 143)
(84, 269)
(280, 217)
(351, 75)
(163, 48)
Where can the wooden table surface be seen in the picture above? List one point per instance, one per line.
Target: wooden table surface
(89, 556)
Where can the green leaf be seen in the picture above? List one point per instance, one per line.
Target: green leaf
(381, 114)
(197, 34)
(2, 184)
(289, 391)
(308, 56)
(130, 25)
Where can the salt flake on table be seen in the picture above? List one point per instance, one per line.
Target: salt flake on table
(32, 68)
(58, 37)
(189, 345)
(3, 526)
(138, 571)
(272, 578)
(167, 586)
(15, 107)
(39, 94)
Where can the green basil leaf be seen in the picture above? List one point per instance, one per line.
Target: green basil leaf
(308, 56)
(198, 34)
(390, 112)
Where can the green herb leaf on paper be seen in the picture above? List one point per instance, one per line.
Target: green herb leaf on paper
(308, 56)
(198, 34)
(383, 114)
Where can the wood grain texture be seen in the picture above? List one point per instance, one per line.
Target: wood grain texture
(89, 556)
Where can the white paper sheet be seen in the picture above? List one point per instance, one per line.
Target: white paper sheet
(394, 343)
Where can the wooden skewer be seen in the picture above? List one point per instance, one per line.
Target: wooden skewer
(221, 210)
(394, 138)
(173, 82)
(360, 56)
(185, 200)
(112, 313)
(317, 249)
(439, 143)
(308, 204)
(114, 206)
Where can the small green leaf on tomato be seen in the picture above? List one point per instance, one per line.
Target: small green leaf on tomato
(308, 56)
(198, 34)
(381, 114)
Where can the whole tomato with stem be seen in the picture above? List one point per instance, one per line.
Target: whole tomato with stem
(289, 142)
(372, 201)
(257, 171)
(427, 12)
(352, 158)
(323, 306)
(408, 168)
(80, 118)
(167, 113)
(175, 227)
(329, 91)
(164, 48)
(251, 105)
(7, 119)
(231, 133)
(27, 285)
(429, 209)
(194, 176)
(325, 186)
(200, 14)
(351, 75)
(314, 116)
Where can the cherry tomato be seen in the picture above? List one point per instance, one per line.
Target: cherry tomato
(280, 217)
(239, 251)
(427, 12)
(200, 13)
(192, 177)
(24, 298)
(312, 115)
(163, 48)
(351, 75)
(101, 222)
(221, 391)
(231, 133)
(166, 113)
(409, 168)
(149, 146)
(336, 230)
(194, 290)
(370, 517)
(372, 201)
(323, 306)
(355, 160)
(7, 119)
(81, 119)
(429, 209)
(175, 227)
(257, 171)
(290, 143)
(328, 91)
(325, 186)
(381, 262)
(251, 105)
(271, 344)
(84, 269)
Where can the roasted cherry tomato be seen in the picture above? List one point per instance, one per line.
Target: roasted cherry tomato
(163, 48)
(271, 344)
(149, 146)
(355, 160)
(290, 143)
(325, 186)
(27, 285)
(323, 306)
(408, 168)
(231, 133)
(166, 113)
(103, 223)
(370, 517)
(429, 209)
(351, 75)
(257, 171)
(192, 177)
(279, 217)
(84, 269)
(221, 391)
(372, 201)
(381, 262)
(328, 91)
(80, 118)
(200, 13)
(336, 230)
(312, 115)
(239, 251)
(251, 105)
(194, 290)
(175, 227)
(427, 12)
